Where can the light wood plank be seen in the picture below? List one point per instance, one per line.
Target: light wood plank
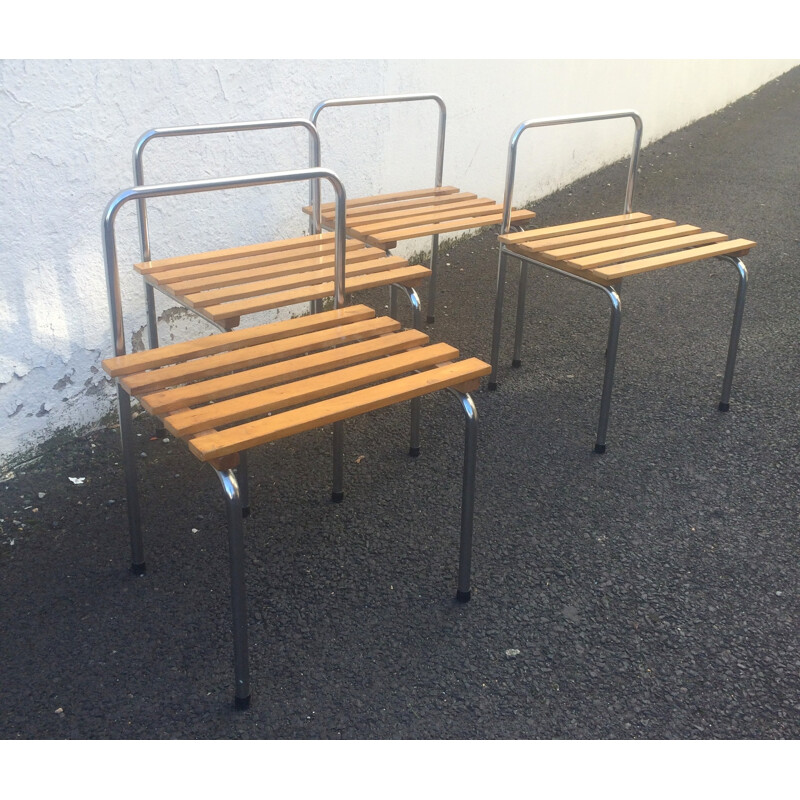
(262, 248)
(643, 250)
(225, 266)
(381, 239)
(406, 276)
(220, 363)
(306, 390)
(599, 236)
(181, 287)
(435, 215)
(404, 205)
(355, 202)
(302, 366)
(572, 227)
(426, 211)
(219, 342)
(241, 291)
(325, 412)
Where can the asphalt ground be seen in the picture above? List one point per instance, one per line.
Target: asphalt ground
(647, 593)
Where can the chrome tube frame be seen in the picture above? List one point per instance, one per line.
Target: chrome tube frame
(233, 505)
(505, 227)
(568, 120)
(736, 328)
(314, 197)
(200, 130)
(467, 493)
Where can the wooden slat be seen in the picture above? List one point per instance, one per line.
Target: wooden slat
(578, 244)
(290, 281)
(214, 389)
(430, 215)
(262, 248)
(423, 211)
(274, 260)
(200, 284)
(733, 246)
(223, 362)
(307, 390)
(380, 239)
(218, 342)
(355, 202)
(241, 437)
(353, 214)
(572, 227)
(406, 276)
(642, 250)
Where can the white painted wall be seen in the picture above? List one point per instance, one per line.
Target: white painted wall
(65, 151)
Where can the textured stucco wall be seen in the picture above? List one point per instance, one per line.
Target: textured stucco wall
(65, 150)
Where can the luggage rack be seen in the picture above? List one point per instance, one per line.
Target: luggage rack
(383, 220)
(225, 393)
(600, 252)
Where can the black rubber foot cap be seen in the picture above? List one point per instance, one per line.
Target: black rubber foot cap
(462, 597)
(724, 406)
(492, 386)
(413, 451)
(337, 497)
(516, 363)
(138, 569)
(430, 320)
(245, 512)
(242, 703)
(600, 448)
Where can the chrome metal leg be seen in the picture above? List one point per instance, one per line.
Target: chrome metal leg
(243, 480)
(432, 281)
(337, 493)
(523, 285)
(131, 489)
(733, 345)
(498, 317)
(467, 494)
(152, 319)
(152, 338)
(416, 402)
(611, 361)
(241, 670)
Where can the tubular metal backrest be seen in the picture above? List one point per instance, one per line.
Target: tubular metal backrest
(567, 120)
(381, 100)
(142, 193)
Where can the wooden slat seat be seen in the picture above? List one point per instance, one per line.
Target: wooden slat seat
(225, 285)
(228, 392)
(607, 249)
(384, 220)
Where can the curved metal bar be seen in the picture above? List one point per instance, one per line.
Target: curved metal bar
(314, 196)
(233, 503)
(467, 493)
(736, 328)
(195, 130)
(416, 402)
(212, 184)
(199, 130)
(568, 120)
